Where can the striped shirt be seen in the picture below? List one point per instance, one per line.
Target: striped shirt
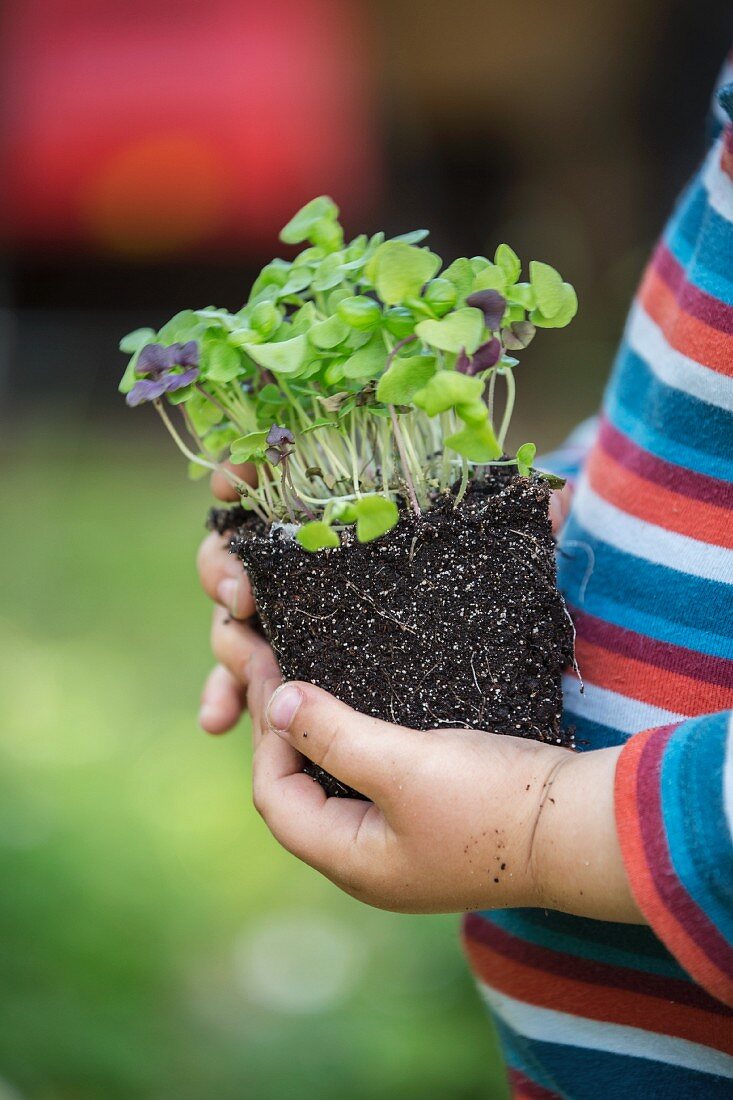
(588, 1008)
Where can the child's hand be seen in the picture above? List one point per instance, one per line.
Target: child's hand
(459, 819)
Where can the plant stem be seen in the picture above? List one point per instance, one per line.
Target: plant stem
(490, 402)
(510, 392)
(182, 446)
(403, 459)
(464, 483)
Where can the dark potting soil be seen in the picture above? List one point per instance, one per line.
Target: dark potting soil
(451, 620)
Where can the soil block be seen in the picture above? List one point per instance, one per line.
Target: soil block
(452, 619)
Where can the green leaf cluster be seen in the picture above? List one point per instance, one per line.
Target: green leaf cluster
(375, 358)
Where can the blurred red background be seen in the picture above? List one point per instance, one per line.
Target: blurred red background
(143, 129)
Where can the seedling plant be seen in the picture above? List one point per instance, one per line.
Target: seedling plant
(359, 377)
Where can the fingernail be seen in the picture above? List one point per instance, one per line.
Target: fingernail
(228, 593)
(283, 707)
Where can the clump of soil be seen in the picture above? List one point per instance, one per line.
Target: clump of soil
(452, 619)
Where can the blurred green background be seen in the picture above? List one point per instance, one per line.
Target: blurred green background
(155, 944)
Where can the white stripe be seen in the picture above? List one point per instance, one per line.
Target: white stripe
(718, 183)
(619, 712)
(728, 778)
(645, 540)
(550, 1026)
(674, 369)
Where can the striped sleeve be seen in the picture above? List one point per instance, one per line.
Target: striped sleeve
(674, 811)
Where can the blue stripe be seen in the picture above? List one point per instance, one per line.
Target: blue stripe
(639, 586)
(633, 947)
(683, 418)
(698, 235)
(694, 816)
(638, 428)
(591, 735)
(519, 1056)
(592, 1074)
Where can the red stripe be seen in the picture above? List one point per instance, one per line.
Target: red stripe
(593, 973)
(662, 655)
(562, 993)
(671, 890)
(672, 913)
(525, 1089)
(674, 935)
(657, 505)
(655, 686)
(695, 302)
(680, 480)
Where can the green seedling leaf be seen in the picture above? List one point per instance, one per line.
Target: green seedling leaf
(275, 274)
(548, 287)
(375, 515)
(203, 413)
(359, 312)
(266, 319)
(490, 277)
(413, 237)
(302, 224)
(522, 294)
(447, 389)
(135, 341)
(344, 512)
(462, 330)
(564, 315)
(368, 361)
(440, 294)
(129, 378)
(461, 274)
(507, 259)
(399, 271)
(329, 273)
(249, 448)
(404, 378)
(283, 357)
(223, 362)
(475, 412)
(196, 471)
(219, 438)
(243, 336)
(300, 279)
(525, 458)
(329, 333)
(476, 442)
(181, 328)
(302, 319)
(317, 535)
(399, 322)
(552, 480)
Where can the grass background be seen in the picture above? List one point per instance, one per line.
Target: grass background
(155, 943)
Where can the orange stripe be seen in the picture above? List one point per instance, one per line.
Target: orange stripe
(662, 920)
(651, 502)
(689, 335)
(650, 684)
(598, 1002)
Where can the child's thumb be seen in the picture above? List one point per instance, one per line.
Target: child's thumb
(366, 753)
